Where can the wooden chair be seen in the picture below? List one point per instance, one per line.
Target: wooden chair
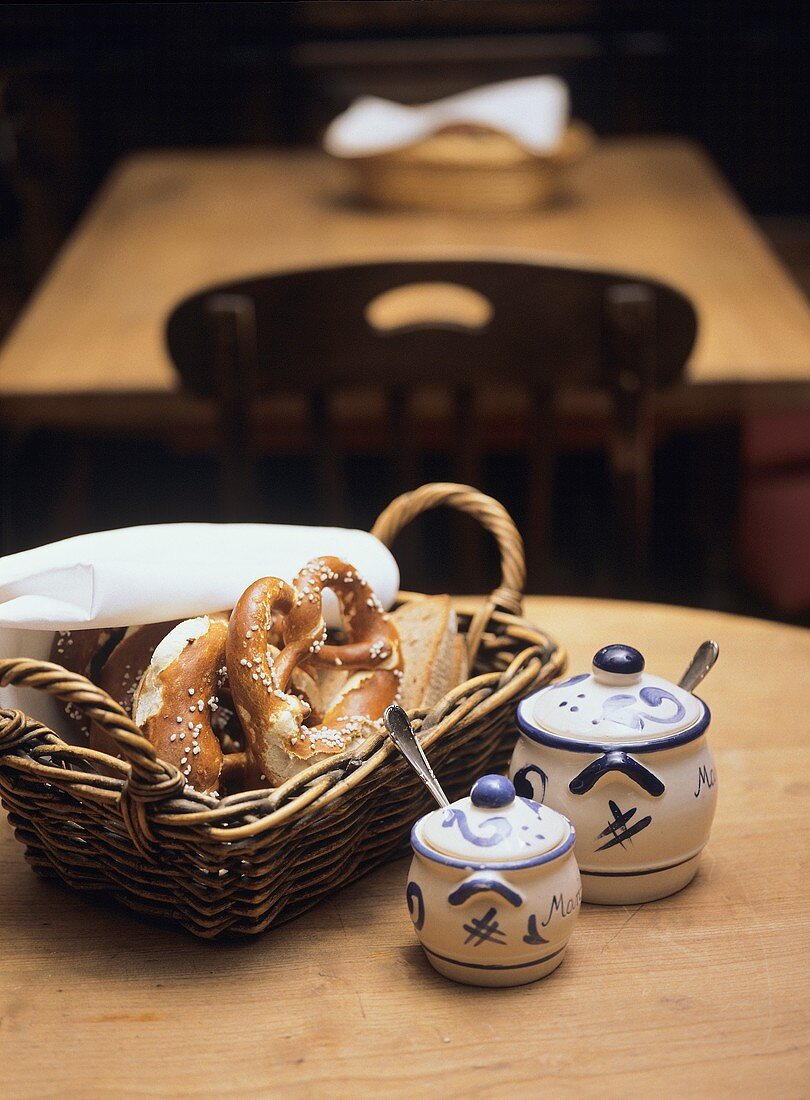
(318, 331)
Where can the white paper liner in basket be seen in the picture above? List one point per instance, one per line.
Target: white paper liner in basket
(158, 573)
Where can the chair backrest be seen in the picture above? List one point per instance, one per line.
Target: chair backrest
(543, 326)
(465, 324)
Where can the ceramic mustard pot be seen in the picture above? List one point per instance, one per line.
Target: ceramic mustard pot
(624, 755)
(494, 890)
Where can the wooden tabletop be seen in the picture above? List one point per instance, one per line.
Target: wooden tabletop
(702, 994)
(168, 223)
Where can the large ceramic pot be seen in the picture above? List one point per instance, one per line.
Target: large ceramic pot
(624, 755)
(494, 889)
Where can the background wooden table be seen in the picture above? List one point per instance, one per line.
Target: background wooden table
(167, 224)
(705, 993)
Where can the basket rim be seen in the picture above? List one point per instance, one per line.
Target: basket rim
(312, 788)
(577, 139)
(150, 786)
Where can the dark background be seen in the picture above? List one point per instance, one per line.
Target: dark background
(83, 84)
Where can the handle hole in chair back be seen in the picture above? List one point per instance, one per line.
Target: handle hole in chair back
(428, 305)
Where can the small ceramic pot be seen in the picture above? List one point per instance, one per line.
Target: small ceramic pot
(624, 755)
(494, 889)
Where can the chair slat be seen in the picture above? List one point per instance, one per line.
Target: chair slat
(234, 367)
(630, 318)
(329, 460)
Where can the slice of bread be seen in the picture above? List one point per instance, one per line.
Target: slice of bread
(432, 662)
(461, 665)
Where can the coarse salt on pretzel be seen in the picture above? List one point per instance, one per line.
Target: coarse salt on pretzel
(279, 742)
(123, 670)
(176, 697)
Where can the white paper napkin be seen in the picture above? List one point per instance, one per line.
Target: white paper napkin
(534, 110)
(172, 571)
(157, 573)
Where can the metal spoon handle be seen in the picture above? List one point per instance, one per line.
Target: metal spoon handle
(700, 665)
(401, 733)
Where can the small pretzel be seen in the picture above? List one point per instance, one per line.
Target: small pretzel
(262, 675)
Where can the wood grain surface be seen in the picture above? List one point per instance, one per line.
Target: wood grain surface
(169, 223)
(702, 994)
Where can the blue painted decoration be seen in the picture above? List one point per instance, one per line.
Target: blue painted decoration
(625, 708)
(657, 743)
(416, 905)
(622, 660)
(532, 935)
(640, 874)
(617, 761)
(654, 697)
(621, 709)
(481, 885)
(492, 792)
(501, 828)
(485, 930)
(525, 787)
(618, 830)
(468, 864)
(495, 966)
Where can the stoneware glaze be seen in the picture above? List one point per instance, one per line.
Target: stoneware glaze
(624, 755)
(494, 889)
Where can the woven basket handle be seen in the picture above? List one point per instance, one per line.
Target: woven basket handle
(508, 596)
(151, 778)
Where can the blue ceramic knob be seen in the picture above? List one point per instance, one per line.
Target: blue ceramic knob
(618, 660)
(492, 792)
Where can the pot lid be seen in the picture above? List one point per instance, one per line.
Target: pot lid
(616, 702)
(494, 825)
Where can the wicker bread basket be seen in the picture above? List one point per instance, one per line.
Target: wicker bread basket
(470, 170)
(247, 861)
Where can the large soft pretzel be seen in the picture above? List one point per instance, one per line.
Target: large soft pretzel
(263, 673)
(122, 672)
(115, 659)
(177, 696)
